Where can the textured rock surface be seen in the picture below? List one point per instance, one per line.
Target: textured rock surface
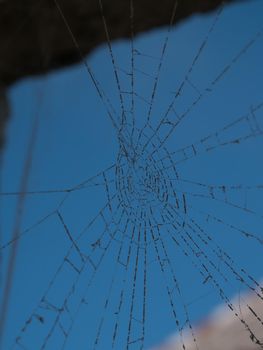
(4, 112)
(34, 39)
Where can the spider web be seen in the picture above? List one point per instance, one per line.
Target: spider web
(162, 229)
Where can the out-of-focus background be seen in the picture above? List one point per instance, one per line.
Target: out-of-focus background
(221, 330)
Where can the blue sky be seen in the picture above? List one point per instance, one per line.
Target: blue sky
(76, 140)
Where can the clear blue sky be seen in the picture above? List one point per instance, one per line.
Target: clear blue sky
(76, 140)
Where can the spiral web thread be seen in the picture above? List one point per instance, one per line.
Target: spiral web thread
(149, 213)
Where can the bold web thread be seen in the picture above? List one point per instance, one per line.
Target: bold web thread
(149, 214)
